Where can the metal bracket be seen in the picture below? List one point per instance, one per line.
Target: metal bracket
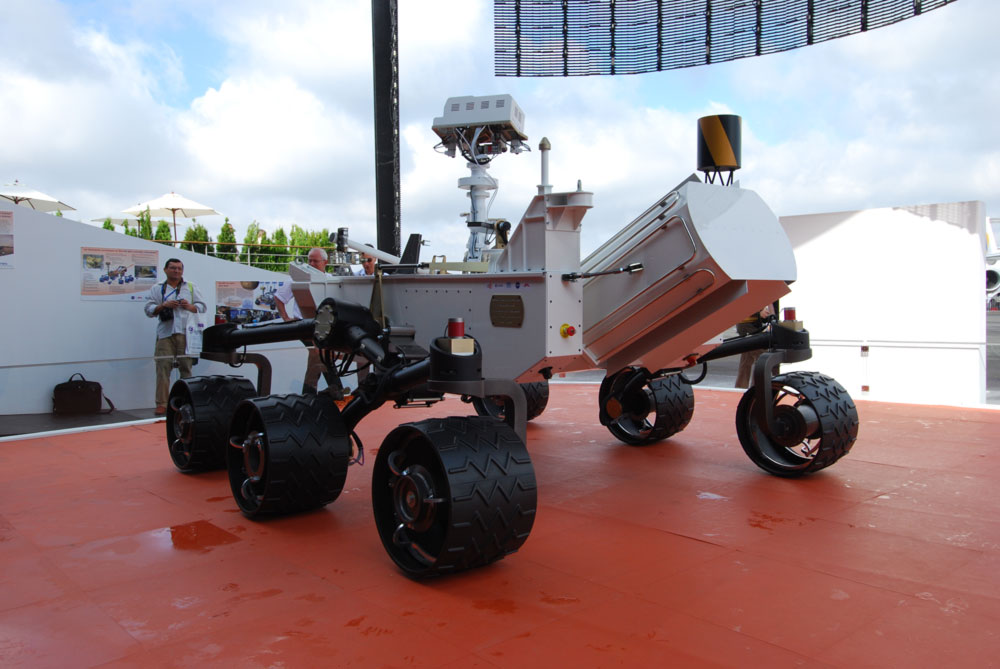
(483, 388)
(628, 269)
(763, 372)
(234, 359)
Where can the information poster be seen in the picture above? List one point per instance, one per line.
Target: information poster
(6, 240)
(117, 274)
(246, 301)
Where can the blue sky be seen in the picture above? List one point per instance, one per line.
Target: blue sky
(263, 110)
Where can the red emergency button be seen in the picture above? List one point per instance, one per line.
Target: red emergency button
(567, 330)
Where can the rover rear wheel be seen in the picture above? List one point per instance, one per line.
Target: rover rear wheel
(198, 414)
(815, 419)
(536, 395)
(287, 453)
(451, 494)
(640, 412)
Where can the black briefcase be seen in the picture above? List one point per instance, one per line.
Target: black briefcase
(77, 396)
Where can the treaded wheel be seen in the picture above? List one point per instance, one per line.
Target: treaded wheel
(536, 394)
(642, 414)
(198, 414)
(451, 494)
(288, 453)
(817, 420)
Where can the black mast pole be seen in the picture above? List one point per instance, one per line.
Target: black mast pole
(385, 68)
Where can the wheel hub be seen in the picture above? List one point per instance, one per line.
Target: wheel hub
(613, 407)
(793, 424)
(414, 499)
(253, 456)
(183, 423)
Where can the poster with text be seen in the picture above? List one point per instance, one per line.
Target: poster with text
(117, 274)
(246, 301)
(6, 240)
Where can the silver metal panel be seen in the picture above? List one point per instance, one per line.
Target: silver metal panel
(709, 253)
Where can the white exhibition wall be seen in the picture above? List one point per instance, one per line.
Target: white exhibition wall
(49, 332)
(905, 282)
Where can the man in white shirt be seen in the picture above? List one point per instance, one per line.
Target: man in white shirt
(170, 302)
(284, 301)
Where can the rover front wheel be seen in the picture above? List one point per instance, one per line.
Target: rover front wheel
(640, 412)
(816, 424)
(451, 494)
(287, 453)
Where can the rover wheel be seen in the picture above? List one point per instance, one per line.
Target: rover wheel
(536, 394)
(644, 413)
(451, 494)
(288, 453)
(816, 421)
(198, 415)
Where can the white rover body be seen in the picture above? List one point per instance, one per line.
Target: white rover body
(710, 255)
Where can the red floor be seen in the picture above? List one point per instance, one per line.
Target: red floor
(682, 553)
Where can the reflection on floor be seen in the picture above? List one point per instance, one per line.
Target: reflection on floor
(682, 553)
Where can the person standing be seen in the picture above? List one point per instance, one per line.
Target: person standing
(752, 324)
(284, 302)
(367, 266)
(170, 302)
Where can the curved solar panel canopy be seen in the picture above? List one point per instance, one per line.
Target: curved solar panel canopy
(562, 38)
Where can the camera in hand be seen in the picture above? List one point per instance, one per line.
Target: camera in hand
(166, 314)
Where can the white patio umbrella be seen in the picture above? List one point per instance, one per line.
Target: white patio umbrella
(172, 204)
(25, 196)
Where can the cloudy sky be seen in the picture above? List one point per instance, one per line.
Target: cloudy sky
(263, 110)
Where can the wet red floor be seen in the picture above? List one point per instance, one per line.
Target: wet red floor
(682, 553)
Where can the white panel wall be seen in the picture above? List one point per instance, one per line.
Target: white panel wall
(47, 332)
(908, 283)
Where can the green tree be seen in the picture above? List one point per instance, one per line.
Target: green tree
(252, 254)
(145, 225)
(279, 251)
(108, 225)
(307, 239)
(226, 248)
(197, 233)
(163, 235)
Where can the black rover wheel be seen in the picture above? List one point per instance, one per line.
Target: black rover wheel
(198, 414)
(288, 453)
(640, 412)
(451, 494)
(536, 394)
(816, 420)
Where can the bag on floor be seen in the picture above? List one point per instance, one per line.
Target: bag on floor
(79, 396)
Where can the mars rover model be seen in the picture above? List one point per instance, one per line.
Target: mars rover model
(456, 493)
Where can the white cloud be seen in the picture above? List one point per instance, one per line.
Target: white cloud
(284, 134)
(266, 131)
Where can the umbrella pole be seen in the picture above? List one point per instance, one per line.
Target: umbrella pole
(174, 212)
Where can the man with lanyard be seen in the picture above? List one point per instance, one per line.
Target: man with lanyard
(170, 302)
(287, 308)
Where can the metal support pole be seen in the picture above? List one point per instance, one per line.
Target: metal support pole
(385, 69)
